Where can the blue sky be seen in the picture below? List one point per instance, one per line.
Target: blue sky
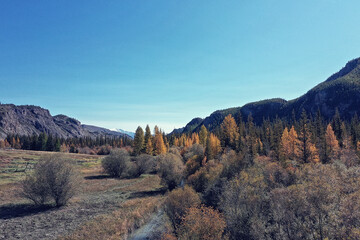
(120, 64)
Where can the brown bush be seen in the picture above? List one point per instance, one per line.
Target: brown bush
(202, 223)
(178, 201)
(116, 163)
(54, 177)
(146, 163)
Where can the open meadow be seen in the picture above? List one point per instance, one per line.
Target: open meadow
(104, 208)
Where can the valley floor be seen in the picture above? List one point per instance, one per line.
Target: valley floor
(107, 208)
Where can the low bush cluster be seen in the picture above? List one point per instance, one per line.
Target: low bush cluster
(120, 164)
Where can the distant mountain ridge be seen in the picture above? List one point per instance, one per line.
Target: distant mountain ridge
(29, 120)
(340, 91)
(131, 134)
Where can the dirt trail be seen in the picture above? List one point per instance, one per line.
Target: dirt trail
(153, 229)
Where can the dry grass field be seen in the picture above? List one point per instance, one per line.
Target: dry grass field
(104, 208)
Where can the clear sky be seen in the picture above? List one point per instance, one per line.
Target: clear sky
(124, 63)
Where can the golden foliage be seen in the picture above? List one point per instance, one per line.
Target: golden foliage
(229, 131)
(149, 147)
(159, 145)
(289, 144)
(213, 146)
(195, 138)
(332, 144)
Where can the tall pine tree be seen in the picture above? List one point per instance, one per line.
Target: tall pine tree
(139, 141)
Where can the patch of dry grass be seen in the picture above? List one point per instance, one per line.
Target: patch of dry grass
(120, 223)
(124, 204)
(130, 215)
(14, 163)
(144, 183)
(9, 192)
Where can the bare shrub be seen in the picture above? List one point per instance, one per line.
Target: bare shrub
(116, 162)
(54, 177)
(131, 171)
(171, 170)
(195, 150)
(175, 150)
(34, 188)
(146, 163)
(242, 201)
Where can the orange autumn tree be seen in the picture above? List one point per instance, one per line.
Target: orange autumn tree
(285, 144)
(159, 145)
(202, 223)
(331, 145)
(289, 144)
(188, 142)
(2, 144)
(182, 141)
(229, 132)
(195, 138)
(213, 146)
(149, 147)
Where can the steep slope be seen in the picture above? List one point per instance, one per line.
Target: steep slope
(341, 91)
(28, 120)
(193, 124)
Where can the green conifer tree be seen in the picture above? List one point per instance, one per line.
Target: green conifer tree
(139, 141)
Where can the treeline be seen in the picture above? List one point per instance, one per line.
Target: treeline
(309, 139)
(295, 179)
(44, 142)
(146, 143)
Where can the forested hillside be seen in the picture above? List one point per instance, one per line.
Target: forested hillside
(340, 91)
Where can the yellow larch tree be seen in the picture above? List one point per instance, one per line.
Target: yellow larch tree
(159, 145)
(331, 144)
(229, 131)
(289, 144)
(195, 138)
(213, 146)
(149, 147)
(285, 144)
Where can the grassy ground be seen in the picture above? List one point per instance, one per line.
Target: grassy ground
(105, 208)
(14, 163)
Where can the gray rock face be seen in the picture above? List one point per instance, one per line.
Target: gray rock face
(29, 120)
